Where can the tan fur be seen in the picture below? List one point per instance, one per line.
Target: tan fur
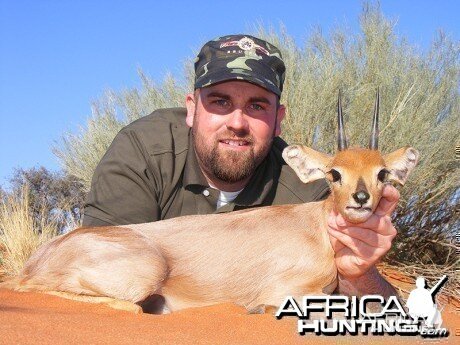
(357, 164)
(254, 258)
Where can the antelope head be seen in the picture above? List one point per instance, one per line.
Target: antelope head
(356, 175)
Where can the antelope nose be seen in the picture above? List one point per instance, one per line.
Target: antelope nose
(361, 197)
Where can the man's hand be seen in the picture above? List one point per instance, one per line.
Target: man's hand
(359, 246)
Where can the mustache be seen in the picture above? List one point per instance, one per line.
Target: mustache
(233, 136)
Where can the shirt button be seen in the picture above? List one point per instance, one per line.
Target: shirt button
(206, 192)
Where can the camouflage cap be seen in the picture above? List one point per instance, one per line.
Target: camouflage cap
(240, 57)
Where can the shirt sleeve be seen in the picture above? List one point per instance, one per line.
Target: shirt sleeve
(124, 185)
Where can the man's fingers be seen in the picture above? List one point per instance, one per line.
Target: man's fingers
(336, 244)
(350, 265)
(388, 202)
(371, 238)
(358, 247)
(375, 223)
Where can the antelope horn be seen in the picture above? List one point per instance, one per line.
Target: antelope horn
(374, 141)
(342, 139)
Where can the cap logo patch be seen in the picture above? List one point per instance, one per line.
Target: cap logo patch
(245, 44)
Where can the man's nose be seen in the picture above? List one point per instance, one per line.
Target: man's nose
(237, 121)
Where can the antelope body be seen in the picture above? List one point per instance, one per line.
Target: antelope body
(251, 257)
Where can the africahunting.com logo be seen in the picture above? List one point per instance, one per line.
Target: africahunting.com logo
(334, 315)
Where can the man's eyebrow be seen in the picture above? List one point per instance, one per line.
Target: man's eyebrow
(260, 100)
(217, 94)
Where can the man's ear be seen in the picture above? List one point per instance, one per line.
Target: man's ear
(308, 164)
(281, 113)
(400, 163)
(190, 104)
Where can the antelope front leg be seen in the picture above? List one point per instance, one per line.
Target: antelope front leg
(263, 309)
(111, 302)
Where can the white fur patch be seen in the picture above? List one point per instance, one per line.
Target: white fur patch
(411, 155)
(294, 152)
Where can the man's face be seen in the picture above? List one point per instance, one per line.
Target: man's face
(233, 125)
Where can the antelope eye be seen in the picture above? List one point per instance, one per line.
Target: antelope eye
(382, 176)
(335, 175)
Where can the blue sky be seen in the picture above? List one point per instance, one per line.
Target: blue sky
(56, 57)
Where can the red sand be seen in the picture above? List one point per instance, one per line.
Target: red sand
(32, 318)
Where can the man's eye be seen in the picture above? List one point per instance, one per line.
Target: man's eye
(221, 102)
(257, 107)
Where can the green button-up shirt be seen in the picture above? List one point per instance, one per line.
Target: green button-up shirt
(150, 172)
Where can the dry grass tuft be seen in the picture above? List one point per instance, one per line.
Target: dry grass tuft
(21, 233)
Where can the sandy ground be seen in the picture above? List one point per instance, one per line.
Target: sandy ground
(32, 318)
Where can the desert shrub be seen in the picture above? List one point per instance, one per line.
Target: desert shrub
(38, 205)
(54, 195)
(20, 231)
(80, 152)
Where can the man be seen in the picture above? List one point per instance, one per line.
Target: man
(223, 153)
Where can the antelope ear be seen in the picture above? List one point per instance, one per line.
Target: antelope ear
(400, 163)
(308, 164)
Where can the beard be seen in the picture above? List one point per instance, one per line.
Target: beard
(229, 166)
